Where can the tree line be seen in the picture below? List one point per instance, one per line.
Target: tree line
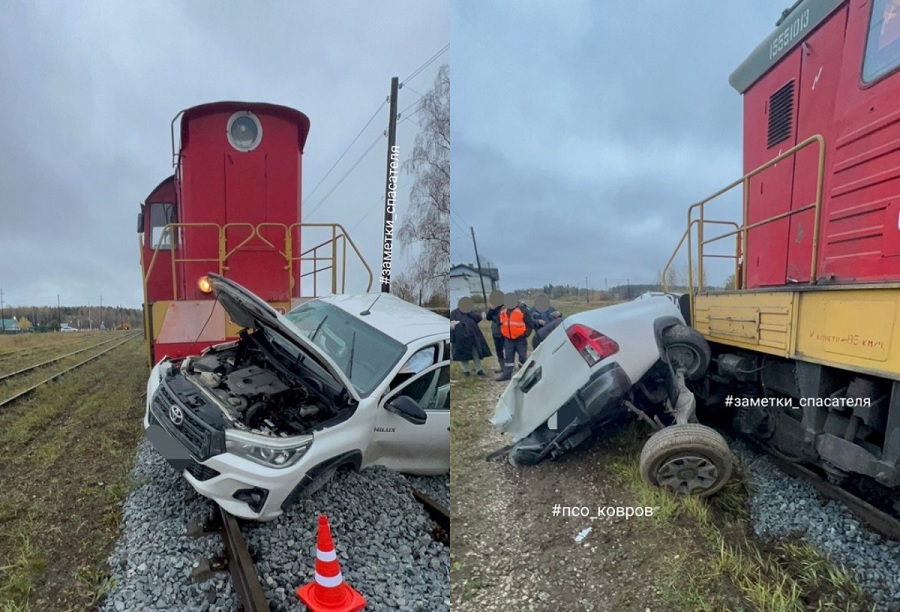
(49, 318)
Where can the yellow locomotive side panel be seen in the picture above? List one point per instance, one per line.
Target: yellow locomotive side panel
(760, 321)
(855, 328)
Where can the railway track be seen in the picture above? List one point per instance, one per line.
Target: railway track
(237, 561)
(55, 359)
(438, 513)
(32, 388)
(876, 518)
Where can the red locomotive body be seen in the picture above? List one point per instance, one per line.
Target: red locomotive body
(233, 207)
(829, 69)
(814, 311)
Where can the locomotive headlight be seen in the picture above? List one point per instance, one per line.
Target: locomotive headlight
(244, 131)
(204, 285)
(275, 453)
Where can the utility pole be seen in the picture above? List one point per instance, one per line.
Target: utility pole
(390, 190)
(478, 263)
(587, 292)
(58, 310)
(2, 316)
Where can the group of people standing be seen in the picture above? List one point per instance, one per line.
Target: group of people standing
(512, 322)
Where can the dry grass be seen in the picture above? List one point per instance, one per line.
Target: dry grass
(65, 455)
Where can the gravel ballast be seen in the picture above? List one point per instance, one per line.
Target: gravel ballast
(781, 505)
(381, 534)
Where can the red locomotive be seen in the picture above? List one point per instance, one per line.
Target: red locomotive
(232, 207)
(814, 313)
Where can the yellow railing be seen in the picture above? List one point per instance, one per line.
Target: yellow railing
(336, 257)
(740, 231)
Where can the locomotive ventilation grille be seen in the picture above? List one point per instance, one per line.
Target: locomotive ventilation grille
(191, 431)
(781, 114)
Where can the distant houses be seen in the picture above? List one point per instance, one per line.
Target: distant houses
(465, 281)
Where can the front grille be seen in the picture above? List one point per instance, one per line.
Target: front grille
(201, 472)
(192, 432)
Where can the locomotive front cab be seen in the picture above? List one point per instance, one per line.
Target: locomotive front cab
(233, 207)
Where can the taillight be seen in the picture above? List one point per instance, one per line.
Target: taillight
(591, 344)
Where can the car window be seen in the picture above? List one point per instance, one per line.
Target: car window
(430, 389)
(419, 360)
(363, 353)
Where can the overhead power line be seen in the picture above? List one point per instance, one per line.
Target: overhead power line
(427, 63)
(346, 174)
(368, 123)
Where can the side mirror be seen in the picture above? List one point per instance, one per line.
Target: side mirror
(141, 222)
(406, 408)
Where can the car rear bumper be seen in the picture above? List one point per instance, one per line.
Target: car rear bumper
(596, 403)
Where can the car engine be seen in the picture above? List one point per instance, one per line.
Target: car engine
(255, 392)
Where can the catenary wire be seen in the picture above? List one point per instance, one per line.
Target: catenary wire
(368, 123)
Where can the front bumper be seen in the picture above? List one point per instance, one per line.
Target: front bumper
(197, 450)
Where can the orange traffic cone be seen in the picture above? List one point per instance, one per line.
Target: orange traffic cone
(328, 592)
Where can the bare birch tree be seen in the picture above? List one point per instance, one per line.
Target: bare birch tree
(426, 226)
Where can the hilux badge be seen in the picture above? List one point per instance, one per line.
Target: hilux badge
(176, 414)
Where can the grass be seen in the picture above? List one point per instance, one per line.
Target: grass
(785, 576)
(65, 456)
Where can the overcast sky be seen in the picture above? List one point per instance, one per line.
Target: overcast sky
(583, 130)
(89, 90)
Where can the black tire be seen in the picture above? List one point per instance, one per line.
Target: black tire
(318, 482)
(688, 350)
(520, 457)
(690, 459)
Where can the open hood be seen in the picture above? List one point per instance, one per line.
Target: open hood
(249, 311)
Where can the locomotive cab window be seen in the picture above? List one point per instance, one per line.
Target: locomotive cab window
(161, 214)
(883, 41)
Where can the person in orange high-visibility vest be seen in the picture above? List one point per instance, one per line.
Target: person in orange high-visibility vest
(515, 326)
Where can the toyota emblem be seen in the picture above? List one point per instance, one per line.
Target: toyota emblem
(176, 414)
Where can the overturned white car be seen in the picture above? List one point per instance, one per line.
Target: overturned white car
(338, 381)
(601, 364)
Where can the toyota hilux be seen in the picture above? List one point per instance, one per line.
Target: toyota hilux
(601, 365)
(340, 381)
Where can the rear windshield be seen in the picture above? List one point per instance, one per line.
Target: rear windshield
(342, 336)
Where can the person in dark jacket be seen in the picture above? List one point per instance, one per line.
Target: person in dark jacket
(542, 313)
(467, 341)
(493, 315)
(541, 334)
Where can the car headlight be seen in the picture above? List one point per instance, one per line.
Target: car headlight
(275, 453)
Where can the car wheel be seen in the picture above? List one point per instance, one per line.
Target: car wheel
(687, 349)
(318, 482)
(519, 457)
(689, 459)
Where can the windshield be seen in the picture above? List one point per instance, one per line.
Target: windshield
(365, 355)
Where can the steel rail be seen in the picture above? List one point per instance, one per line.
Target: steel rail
(244, 578)
(66, 342)
(66, 371)
(438, 513)
(54, 360)
(877, 519)
(237, 560)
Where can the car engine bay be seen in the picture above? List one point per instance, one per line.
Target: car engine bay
(257, 390)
